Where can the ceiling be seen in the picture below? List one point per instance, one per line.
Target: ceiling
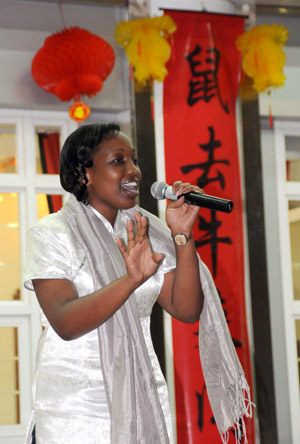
(285, 12)
(259, 3)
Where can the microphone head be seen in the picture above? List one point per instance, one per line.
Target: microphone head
(158, 190)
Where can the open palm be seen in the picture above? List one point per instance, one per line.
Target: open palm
(141, 262)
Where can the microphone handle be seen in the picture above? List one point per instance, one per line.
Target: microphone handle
(206, 201)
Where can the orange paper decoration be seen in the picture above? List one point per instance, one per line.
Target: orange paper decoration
(73, 62)
(263, 56)
(145, 42)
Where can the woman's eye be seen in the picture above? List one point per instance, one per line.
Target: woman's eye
(117, 160)
(135, 161)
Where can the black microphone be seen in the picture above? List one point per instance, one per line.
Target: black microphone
(160, 190)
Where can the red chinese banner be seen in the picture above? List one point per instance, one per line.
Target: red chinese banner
(201, 147)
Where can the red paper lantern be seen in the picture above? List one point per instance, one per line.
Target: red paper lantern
(73, 62)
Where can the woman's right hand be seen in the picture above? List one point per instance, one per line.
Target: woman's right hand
(141, 262)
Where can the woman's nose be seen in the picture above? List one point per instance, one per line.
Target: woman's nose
(133, 169)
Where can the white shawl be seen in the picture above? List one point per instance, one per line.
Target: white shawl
(130, 386)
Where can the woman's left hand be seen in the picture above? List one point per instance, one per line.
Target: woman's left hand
(181, 216)
(141, 262)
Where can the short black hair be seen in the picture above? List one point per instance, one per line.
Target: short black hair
(77, 155)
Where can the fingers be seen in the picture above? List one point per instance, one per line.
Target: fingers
(174, 204)
(141, 262)
(141, 230)
(122, 246)
(157, 257)
(180, 188)
(141, 227)
(130, 234)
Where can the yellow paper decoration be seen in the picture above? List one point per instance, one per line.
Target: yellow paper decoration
(263, 56)
(146, 46)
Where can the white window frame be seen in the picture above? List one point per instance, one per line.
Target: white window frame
(25, 314)
(16, 433)
(286, 191)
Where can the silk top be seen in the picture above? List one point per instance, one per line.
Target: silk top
(69, 402)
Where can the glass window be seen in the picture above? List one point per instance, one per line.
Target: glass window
(47, 148)
(8, 149)
(294, 221)
(47, 204)
(10, 268)
(292, 144)
(9, 377)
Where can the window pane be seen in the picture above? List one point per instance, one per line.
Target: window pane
(8, 149)
(9, 377)
(47, 204)
(294, 221)
(47, 143)
(10, 269)
(292, 144)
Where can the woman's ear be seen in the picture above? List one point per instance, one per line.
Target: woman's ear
(88, 178)
(83, 177)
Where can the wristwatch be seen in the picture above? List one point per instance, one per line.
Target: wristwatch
(181, 239)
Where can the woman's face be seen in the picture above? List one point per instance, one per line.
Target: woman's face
(114, 178)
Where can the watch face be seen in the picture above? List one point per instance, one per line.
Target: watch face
(180, 239)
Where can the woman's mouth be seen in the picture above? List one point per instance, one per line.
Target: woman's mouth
(131, 188)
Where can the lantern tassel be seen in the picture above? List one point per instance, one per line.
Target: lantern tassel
(152, 106)
(270, 118)
(270, 112)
